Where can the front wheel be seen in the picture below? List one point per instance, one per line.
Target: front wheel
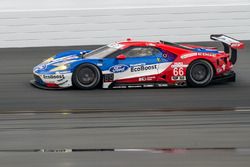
(199, 73)
(86, 76)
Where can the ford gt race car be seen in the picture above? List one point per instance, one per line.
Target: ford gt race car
(132, 64)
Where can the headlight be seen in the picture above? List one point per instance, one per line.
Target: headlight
(48, 60)
(60, 68)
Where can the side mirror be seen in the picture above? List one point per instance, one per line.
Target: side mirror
(121, 57)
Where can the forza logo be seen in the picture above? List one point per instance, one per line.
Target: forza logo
(143, 68)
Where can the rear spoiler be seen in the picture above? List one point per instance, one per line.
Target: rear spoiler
(230, 45)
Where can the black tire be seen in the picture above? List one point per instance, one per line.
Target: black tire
(199, 73)
(86, 76)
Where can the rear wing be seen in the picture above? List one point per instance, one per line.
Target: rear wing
(230, 45)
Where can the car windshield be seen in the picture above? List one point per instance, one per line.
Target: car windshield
(103, 52)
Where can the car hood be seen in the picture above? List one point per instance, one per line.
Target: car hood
(63, 58)
(71, 53)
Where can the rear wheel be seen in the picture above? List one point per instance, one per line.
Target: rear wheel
(199, 73)
(86, 76)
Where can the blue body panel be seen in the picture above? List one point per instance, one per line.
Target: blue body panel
(71, 52)
(204, 50)
(75, 58)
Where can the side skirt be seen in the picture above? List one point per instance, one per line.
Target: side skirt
(138, 85)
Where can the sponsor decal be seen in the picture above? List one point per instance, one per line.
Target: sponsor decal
(206, 54)
(119, 68)
(235, 45)
(139, 64)
(70, 57)
(162, 85)
(180, 83)
(142, 79)
(120, 87)
(188, 55)
(178, 65)
(197, 54)
(53, 77)
(178, 78)
(135, 86)
(148, 86)
(143, 68)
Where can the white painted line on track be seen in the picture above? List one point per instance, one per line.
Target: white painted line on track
(242, 109)
(244, 151)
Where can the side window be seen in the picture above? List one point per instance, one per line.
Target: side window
(142, 51)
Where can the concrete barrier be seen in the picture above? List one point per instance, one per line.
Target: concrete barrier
(80, 23)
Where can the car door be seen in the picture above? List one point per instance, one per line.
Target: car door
(138, 64)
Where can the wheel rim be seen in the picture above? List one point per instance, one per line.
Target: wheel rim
(199, 73)
(86, 76)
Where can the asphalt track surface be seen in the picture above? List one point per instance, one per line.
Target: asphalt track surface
(111, 139)
(188, 126)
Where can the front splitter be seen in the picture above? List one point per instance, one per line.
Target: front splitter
(37, 85)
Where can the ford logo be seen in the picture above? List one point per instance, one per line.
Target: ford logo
(118, 68)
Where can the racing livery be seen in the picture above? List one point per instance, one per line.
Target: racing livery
(131, 64)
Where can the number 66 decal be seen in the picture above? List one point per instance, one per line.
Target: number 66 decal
(178, 71)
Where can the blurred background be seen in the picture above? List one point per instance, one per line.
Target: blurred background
(29, 23)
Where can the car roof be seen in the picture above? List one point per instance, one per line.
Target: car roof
(138, 43)
(160, 44)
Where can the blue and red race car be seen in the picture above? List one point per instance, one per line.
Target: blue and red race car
(132, 64)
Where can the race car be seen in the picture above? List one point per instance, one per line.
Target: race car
(134, 64)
